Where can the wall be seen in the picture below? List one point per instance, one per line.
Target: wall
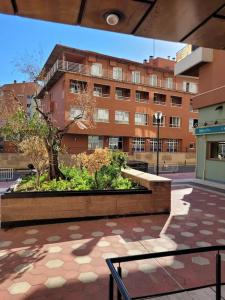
(166, 157)
(209, 169)
(210, 114)
(19, 161)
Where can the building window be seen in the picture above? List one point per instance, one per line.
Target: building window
(122, 94)
(94, 142)
(96, 69)
(117, 73)
(161, 123)
(169, 83)
(175, 122)
(176, 101)
(138, 144)
(102, 115)
(193, 123)
(141, 119)
(75, 112)
(136, 76)
(192, 146)
(141, 96)
(101, 90)
(172, 145)
(190, 87)
(122, 117)
(116, 143)
(153, 80)
(153, 145)
(97, 91)
(216, 150)
(159, 99)
(77, 86)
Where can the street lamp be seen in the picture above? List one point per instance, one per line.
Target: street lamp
(158, 117)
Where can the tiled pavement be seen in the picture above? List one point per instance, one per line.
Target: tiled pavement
(67, 260)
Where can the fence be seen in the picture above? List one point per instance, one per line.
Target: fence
(6, 174)
(115, 277)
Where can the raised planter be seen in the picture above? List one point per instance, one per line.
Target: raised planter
(43, 206)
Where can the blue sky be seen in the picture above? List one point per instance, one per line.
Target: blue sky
(20, 37)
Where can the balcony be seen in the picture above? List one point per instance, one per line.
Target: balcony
(190, 64)
(60, 67)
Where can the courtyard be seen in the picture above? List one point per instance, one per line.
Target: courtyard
(67, 260)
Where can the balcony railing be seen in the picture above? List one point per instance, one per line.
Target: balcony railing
(66, 66)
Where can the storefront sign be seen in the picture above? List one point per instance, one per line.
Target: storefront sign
(209, 130)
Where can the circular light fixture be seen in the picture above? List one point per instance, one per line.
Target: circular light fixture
(112, 19)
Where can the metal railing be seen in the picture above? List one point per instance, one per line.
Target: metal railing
(67, 66)
(6, 174)
(122, 292)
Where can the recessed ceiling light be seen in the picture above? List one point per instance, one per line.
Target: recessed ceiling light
(112, 19)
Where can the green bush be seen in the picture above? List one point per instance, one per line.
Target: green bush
(108, 177)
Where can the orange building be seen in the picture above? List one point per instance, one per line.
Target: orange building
(127, 95)
(209, 65)
(24, 92)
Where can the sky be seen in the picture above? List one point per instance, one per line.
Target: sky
(23, 39)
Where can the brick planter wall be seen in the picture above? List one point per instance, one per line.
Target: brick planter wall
(33, 206)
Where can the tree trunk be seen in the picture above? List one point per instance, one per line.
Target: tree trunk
(53, 169)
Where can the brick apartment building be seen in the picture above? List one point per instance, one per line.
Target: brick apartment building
(24, 91)
(127, 95)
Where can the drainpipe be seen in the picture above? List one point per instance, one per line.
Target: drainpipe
(204, 155)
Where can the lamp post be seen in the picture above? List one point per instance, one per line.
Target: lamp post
(158, 117)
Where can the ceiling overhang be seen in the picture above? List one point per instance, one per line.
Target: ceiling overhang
(196, 22)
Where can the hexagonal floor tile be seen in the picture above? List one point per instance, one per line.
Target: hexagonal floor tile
(4, 244)
(177, 265)
(103, 244)
(73, 227)
(97, 233)
(29, 241)
(199, 260)
(147, 267)
(109, 255)
(203, 244)
(79, 246)
(55, 282)
(54, 263)
(221, 241)
(134, 252)
(76, 236)
(53, 238)
(207, 222)
(182, 246)
(118, 231)
(156, 227)
(138, 229)
(83, 259)
(32, 231)
(111, 224)
(191, 224)
(187, 234)
(19, 288)
(174, 226)
(87, 277)
(54, 249)
(206, 232)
